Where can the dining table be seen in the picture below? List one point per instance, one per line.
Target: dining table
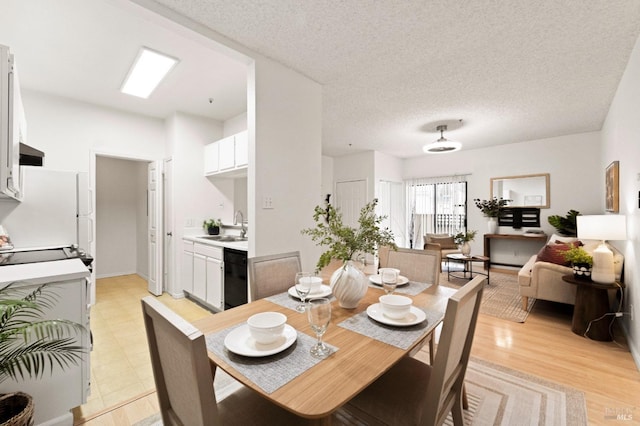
(363, 349)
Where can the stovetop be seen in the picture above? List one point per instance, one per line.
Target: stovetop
(18, 257)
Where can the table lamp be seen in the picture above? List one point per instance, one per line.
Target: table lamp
(602, 227)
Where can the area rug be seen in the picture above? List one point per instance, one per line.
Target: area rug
(501, 298)
(499, 396)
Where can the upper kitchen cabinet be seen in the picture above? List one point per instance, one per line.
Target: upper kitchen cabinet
(228, 157)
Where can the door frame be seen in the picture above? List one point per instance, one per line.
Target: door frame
(93, 154)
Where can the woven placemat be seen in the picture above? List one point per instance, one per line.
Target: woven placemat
(284, 299)
(400, 337)
(410, 289)
(270, 372)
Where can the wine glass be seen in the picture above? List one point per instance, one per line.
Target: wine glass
(389, 279)
(303, 287)
(319, 314)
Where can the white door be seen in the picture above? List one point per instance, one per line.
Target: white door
(168, 264)
(351, 196)
(155, 233)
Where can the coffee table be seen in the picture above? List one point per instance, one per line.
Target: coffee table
(467, 272)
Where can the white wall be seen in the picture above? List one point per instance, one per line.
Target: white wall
(285, 128)
(620, 135)
(235, 125)
(572, 162)
(68, 131)
(117, 217)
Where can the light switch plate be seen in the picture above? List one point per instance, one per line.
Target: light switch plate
(267, 202)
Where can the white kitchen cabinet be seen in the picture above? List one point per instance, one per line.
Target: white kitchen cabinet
(242, 149)
(228, 157)
(215, 277)
(186, 272)
(226, 153)
(211, 158)
(208, 275)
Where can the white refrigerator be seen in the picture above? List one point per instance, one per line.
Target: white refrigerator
(55, 211)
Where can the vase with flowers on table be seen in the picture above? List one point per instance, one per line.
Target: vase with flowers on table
(491, 210)
(348, 283)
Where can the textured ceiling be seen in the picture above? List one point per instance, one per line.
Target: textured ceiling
(391, 69)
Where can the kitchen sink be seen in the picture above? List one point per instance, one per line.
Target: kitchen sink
(224, 238)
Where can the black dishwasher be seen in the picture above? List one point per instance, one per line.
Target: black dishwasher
(235, 278)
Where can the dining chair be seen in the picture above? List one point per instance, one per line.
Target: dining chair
(184, 377)
(272, 274)
(417, 265)
(415, 393)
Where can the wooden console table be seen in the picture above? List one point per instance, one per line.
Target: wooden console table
(542, 238)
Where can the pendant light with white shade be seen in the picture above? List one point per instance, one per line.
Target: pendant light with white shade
(442, 145)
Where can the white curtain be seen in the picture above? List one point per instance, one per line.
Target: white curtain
(436, 205)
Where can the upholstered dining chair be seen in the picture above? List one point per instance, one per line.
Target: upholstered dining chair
(184, 377)
(415, 393)
(417, 265)
(272, 274)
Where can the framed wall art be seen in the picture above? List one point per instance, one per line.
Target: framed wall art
(612, 183)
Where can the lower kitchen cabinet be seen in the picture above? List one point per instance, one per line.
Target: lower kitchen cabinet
(203, 274)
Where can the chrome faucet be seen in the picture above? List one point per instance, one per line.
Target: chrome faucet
(243, 231)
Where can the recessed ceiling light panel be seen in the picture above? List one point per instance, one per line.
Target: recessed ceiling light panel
(148, 70)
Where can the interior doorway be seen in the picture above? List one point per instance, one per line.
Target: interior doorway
(121, 217)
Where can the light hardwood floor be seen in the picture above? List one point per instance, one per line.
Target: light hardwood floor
(543, 346)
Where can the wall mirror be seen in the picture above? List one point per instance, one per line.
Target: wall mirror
(523, 191)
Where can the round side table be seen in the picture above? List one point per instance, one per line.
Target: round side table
(592, 302)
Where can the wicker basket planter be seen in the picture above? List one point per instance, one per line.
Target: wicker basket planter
(16, 409)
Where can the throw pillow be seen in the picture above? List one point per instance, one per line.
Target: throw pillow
(445, 242)
(554, 253)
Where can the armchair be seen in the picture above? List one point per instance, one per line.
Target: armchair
(441, 242)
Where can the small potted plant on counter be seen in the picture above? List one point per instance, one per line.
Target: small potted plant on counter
(212, 226)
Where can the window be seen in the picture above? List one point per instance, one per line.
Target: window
(435, 206)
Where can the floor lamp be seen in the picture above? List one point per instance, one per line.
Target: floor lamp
(602, 227)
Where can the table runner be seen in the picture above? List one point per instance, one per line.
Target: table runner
(400, 337)
(270, 372)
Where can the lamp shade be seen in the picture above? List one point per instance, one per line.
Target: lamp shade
(602, 227)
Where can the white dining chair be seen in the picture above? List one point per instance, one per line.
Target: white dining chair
(417, 265)
(272, 274)
(184, 375)
(415, 393)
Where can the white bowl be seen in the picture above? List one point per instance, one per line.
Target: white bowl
(315, 284)
(395, 306)
(382, 270)
(266, 327)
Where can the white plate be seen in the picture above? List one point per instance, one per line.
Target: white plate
(416, 316)
(239, 341)
(377, 279)
(325, 291)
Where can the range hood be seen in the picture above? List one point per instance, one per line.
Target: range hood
(30, 156)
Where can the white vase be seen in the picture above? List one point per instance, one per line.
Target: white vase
(349, 285)
(465, 248)
(493, 225)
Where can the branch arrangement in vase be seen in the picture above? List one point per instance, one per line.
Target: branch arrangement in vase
(491, 208)
(343, 241)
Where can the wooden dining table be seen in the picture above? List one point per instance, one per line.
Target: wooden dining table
(322, 389)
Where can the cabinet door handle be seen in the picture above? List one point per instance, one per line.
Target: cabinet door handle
(169, 234)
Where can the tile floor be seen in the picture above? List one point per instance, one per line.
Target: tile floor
(120, 364)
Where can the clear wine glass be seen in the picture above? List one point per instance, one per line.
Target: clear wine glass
(303, 287)
(319, 314)
(389, 281)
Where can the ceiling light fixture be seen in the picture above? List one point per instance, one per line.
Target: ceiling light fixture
(442, 145)
(148, 70)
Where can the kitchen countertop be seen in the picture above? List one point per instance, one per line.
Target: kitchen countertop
(44, 272)
(237, 245)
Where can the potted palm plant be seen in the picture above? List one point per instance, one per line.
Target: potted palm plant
(348, 283)
(30, 345)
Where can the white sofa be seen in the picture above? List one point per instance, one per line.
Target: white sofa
(543, 280)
